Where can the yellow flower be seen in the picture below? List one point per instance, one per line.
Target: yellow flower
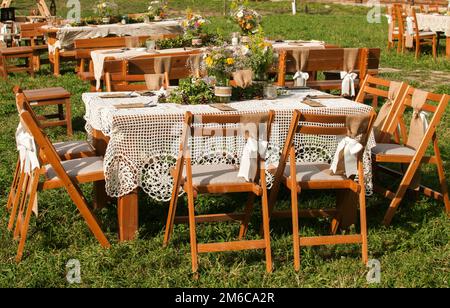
(230, 61)
(209, 61)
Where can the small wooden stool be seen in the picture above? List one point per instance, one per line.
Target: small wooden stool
(23, 52)
(52, 96)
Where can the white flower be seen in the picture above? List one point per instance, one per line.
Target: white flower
(245, 50)
(240, 14)
(104, 4)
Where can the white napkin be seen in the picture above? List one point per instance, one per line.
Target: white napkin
(351, 148)
(410, 25)
(249, 158)
(348, 83)
(301, 78)
(28, 156)
(27, 150)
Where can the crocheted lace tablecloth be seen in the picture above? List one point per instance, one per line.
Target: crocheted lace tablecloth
(144, 142)
(435, 23)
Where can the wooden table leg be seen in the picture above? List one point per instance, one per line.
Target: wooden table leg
(127, 210)
(347, 205)
(99, 142)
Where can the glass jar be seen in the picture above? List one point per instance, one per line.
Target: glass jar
(270, 91)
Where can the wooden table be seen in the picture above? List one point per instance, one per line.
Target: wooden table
(346, 205)
(436, 23)
(64, 48)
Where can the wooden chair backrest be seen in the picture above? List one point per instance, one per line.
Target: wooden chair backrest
(435, 105)
(311, 124)
(83, 47)
(190, 129)
(330, 59)
(120, 72)
(31, 30)
(402, 14)
(377, 87)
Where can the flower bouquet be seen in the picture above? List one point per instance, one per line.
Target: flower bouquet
(260, 56)
(247, 19)
(105, 10)
(193, 28)
(156, 10)
(220, 63)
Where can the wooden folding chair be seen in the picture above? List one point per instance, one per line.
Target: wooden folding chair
(318, 176)
(57, 174)
(394, 32)
(66, 150)
(420, 38)
(220, 179)
(376, 89)
(412, 151)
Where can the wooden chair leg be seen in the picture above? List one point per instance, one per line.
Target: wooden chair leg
(21, 207)
(248, 213)
(441, 174)
(434, 48)
(363, 225)
(15, 206)
(404, 185)
(266, 227)
(171, 215)
(29, 210)
(295, 226)
(192, 230)
(14, 186)
(417, 50)
(68, 117)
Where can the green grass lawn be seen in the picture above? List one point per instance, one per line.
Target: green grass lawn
(414, 251)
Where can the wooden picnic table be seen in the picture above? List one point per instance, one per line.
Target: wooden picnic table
(61, 39)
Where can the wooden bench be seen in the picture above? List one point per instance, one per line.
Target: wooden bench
(16, 53)
(329, 60)
(120, 73)
(84, 47)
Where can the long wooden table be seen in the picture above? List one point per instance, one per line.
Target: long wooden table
(128, 122)
(61, 39)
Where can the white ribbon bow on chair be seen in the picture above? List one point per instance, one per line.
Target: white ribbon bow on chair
(410, 25)
(348, 83)
(249, 158)
(351, 148)
(27, 150)
(301, 78)
(424, 117)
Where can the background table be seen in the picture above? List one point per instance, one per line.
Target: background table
(436, 23)
(63, 38)
(143, 143)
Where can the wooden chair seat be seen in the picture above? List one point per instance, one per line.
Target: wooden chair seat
(81, 170)
(51, 96)
(221, 174)
(16, 50)
(46, 94)
(392, 149)
(74, 149)
(318, 176)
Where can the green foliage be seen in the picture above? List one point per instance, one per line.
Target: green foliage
(192, 92)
